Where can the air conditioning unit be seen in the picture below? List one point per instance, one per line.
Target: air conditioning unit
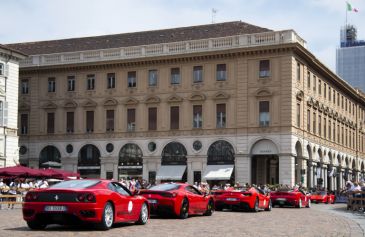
(131, 127)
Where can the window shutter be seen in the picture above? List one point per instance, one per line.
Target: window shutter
(5, 114)
(1, 113)
(152, 118)
(6, 70)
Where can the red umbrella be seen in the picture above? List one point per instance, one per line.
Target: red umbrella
(60, 174)
(21, 171)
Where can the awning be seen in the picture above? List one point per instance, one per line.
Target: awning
(171, 172)
(218, 172)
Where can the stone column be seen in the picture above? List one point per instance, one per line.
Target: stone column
(305, 175)
(315, 167)
(243, 168)
(286, 170)
(310, 174)
(325, 175)
(190, 173)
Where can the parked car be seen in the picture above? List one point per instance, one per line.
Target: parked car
(323, 197)
(178, 199)
(102, 202)
(297, 198)
(242, 199)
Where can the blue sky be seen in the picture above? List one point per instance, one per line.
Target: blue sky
(317, 21)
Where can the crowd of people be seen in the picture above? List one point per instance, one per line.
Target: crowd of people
(18, 186)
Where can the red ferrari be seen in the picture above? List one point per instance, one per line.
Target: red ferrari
(102, 202)
(179, 199)
(323, 197)
(296, 198)
(245, 199)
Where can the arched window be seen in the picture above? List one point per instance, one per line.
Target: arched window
(89, 155)
(130, 155)
(220, 152)
(174, 153)
(49, 157)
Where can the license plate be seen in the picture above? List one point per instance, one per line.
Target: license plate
(152, 201)
(281, 199)
(55, 208)
(231, 199)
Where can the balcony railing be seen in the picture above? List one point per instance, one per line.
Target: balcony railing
(174, 48)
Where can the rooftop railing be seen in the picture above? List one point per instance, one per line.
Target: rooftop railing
(173, 48)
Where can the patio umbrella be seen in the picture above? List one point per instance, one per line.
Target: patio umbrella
(51, 164)
(21, 171)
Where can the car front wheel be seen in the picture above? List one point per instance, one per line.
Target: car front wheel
(143, 215)
(256, 206)
(210, 208)
(269, 206)
(300, 204)
(309, 204)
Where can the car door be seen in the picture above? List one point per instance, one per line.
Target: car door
(260, 195)
(203, 199)
(194, 199)
(123, 203)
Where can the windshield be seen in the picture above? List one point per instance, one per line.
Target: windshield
(76, 184)
(165, 187)
(320, 193)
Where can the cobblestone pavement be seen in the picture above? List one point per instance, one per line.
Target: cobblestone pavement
(320, 220)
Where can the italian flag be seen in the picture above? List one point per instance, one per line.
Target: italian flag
(350, 8)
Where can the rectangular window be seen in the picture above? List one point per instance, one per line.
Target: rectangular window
(319, 87)
(308, 80)
(51, 84)
(71, 83)
(350, 107)
(152, 118)
(334, 96)
(132, 79)
(338, 99)
(197, 116)
(24, 124)
(50, 122)
(131, 119)
(221, 115)
(175, 76)
(89, 121)
(308, 120)
(70, 117)
(346, 135)
(298, 71)
(324, 127)
(329, 94)
(319, 125)
(325, 90)
(90, 79)
(334, 132)
(174, 117)
(338, 133)
(298, 115)
(110, 80)
(342, 136)
(329, 130)
(314, 83)
(2, 69)
(25, 86)
(197, 74)
(264, 68)
(314, 122)
(346, 105)
(152, 78)
(221, 72)
(264, 113)
(110, 120)
(342, 102)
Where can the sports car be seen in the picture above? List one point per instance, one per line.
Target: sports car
(297, 198)
(323, 197)
(101, 202)
(178, 199)
(244, 199)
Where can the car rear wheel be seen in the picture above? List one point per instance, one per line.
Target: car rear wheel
(300, 204)
(256, 206)
(210, 208)
(269, 207)
(108, 217)
(36, 225)
(184, 210)
(143, 215)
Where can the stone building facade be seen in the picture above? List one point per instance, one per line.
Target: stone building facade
(9, 77)
(219, 102)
